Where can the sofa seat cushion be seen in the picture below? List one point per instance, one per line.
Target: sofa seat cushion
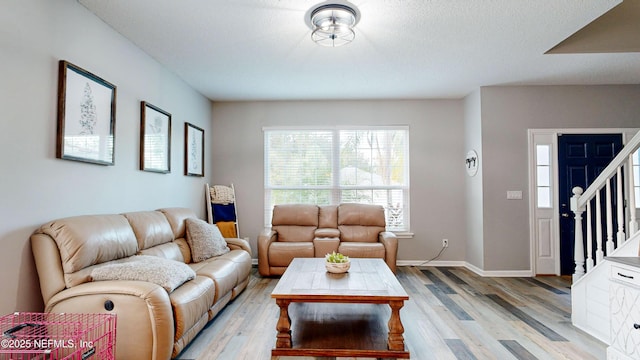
(226, 271)
(190, 302)
(282, 253)
(362, 250)
(169, 274)
(242, 259)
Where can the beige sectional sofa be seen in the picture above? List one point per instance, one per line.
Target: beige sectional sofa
(301, 230)
(155, 319)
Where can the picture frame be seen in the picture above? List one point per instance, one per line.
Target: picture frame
(193, 150)
(155, 139)
(86, 116)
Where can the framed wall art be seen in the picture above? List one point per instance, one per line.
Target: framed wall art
(155, 139)
(193, 150)
(86, 116)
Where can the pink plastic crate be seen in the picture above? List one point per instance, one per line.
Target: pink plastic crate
(57, 336)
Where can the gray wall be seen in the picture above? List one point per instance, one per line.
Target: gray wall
(35, 186)
(507, 113)
(473, 185)
(436, 152)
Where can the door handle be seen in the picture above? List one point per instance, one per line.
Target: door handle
(565, 215)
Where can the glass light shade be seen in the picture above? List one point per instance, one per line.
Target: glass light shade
(333, 25)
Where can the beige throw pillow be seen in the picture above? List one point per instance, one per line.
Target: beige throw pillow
(167, 273)
(205, 240)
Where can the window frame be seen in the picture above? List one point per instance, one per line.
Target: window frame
(335, 188)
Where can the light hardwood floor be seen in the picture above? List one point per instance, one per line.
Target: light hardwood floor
(452, 314)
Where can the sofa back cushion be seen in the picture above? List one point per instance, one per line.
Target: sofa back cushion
(170, 250)
(176, 218)
(360, 222)
(151, 228)
(87, 240)
(328, 216)
(295, 222)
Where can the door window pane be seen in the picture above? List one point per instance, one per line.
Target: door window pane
(544, 197)
(543, 176)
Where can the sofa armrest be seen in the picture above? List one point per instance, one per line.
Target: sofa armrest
(47, 259)
(390, 242)
(327, 233)
(143, 312)
(238, 244)
(266, 237)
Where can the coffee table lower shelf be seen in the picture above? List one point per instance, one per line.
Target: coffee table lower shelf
(339, 330)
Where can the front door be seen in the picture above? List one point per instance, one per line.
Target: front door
(580, 159)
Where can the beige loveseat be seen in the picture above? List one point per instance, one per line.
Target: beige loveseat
(300, 230)
(153, 321)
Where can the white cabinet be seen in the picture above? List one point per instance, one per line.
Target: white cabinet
(624, 303)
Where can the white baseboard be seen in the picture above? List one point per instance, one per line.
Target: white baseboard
(475, 269)
(430, 263)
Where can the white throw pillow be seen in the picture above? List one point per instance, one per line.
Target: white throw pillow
(167, 273)
(205, 240)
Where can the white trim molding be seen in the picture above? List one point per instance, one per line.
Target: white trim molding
(475, 269)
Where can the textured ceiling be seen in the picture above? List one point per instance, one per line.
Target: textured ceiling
(404, 49)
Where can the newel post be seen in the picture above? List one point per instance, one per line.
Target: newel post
(578, 254)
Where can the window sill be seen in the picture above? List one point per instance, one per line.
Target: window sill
(403, 234)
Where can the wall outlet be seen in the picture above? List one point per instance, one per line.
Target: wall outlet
(445, 242)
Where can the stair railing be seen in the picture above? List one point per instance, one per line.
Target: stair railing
(610, 182)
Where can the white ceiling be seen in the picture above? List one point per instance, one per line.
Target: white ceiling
(404, 49)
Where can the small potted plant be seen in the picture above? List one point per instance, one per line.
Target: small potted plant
(337, 263)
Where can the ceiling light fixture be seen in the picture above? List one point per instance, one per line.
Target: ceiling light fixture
(332, 24)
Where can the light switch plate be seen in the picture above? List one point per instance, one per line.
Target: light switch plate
(514, 195)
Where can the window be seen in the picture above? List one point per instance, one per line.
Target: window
(543, 176)
(336, 165)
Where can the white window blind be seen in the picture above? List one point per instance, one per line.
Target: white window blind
(367, 165)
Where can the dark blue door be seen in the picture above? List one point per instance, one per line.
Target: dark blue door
(580, 159)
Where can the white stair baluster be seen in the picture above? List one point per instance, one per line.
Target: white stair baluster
(620, 236)
(590, 263)
(578, 253)
(599, 252)
(609, 210)
(633, 224)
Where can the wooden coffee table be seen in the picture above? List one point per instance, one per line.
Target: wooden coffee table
(356, 314)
